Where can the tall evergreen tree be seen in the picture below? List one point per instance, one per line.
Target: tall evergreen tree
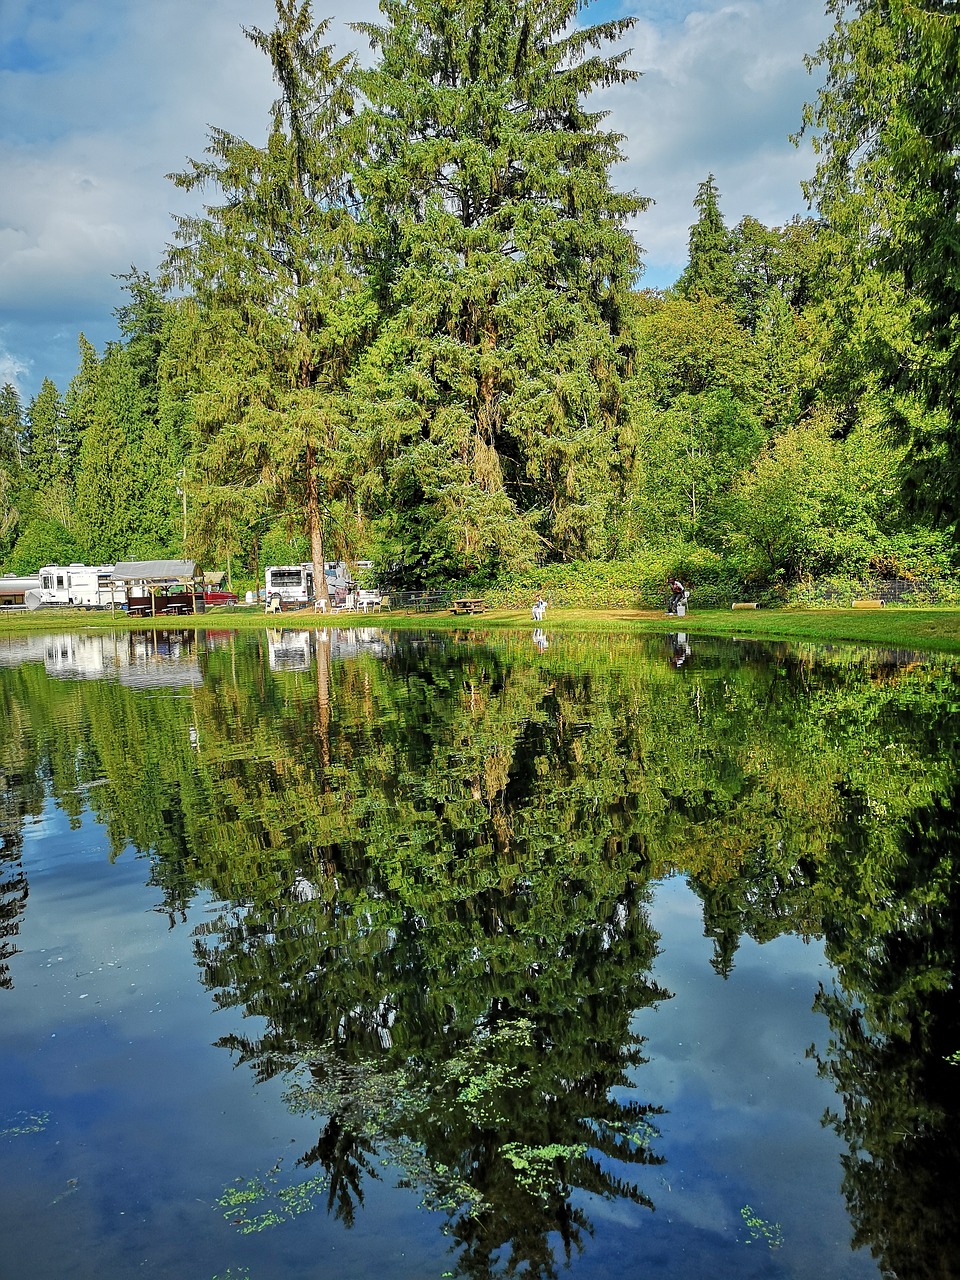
(142, 322)
(279, 301)
(52, 453)
(503, 264)
(710, 268)
(887, 130)
(11, 427)
(107, 480)
(82, 391)
(11, 470)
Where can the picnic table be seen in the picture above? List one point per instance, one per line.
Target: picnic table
(468, 606)
(422, 601)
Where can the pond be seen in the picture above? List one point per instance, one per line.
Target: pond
(357, 954)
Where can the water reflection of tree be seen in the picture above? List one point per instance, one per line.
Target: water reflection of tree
(895, 1018)
(21, 794)
(484, 1049)
(425, 856)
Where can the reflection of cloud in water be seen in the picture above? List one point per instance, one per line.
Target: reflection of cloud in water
(727, 1060)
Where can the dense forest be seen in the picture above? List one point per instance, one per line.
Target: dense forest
(410, 327)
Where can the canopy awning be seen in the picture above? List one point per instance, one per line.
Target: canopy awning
(155, 572)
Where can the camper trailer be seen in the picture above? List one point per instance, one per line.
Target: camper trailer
(81, 585)
(19, 592)
(292, 584)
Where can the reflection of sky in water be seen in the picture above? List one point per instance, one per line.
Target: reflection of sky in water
(727, 1060)
(109, 1030)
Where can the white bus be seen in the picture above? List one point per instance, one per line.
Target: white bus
(86, 586)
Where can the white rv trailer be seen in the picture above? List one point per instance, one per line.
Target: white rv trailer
(85, 586)
(19, 591)
(293, 583)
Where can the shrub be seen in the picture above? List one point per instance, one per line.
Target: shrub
(638, 583)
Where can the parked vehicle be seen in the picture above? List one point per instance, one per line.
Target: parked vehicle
(83, 586)
(19, 591)
(292, 584)
(217, 595)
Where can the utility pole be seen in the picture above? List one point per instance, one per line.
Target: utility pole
(182, 491)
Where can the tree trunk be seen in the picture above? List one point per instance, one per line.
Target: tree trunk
(321, 591)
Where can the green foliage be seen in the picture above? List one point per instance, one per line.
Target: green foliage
(814, 505)
(53, 452)
(710, 269)
(43, 540)
(11, 466)
(623, 584)
(490, 401)
(11, 429)
(280, 306)
(105, 508)
(408, 327)
(888, 180)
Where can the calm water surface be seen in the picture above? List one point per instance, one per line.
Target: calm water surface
(354, 955)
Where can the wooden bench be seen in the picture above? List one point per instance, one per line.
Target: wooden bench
(745, 604)
(467, 606)
(868, 604)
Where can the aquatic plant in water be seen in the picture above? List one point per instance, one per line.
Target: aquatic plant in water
(761, 1231)
(24, 1122)
(280, 1204)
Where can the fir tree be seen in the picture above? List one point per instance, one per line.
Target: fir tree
(82, 391)
(503, 264)
(278, 300)
(107, 482)
(11, 470)
(52, 453)
(710, 268)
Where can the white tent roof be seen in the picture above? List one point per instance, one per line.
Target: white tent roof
(155, 571)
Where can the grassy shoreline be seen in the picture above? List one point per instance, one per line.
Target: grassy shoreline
(935, 629)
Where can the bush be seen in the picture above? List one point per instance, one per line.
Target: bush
(638, 583)
(43, 541)
(840, 592)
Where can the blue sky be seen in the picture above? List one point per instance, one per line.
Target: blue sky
(100, 99)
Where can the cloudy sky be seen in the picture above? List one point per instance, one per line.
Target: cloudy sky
(100, 99)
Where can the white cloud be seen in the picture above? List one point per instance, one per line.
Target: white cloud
(720, 93)
(12, 368)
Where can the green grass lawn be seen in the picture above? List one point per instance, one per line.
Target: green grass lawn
(910, 628)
